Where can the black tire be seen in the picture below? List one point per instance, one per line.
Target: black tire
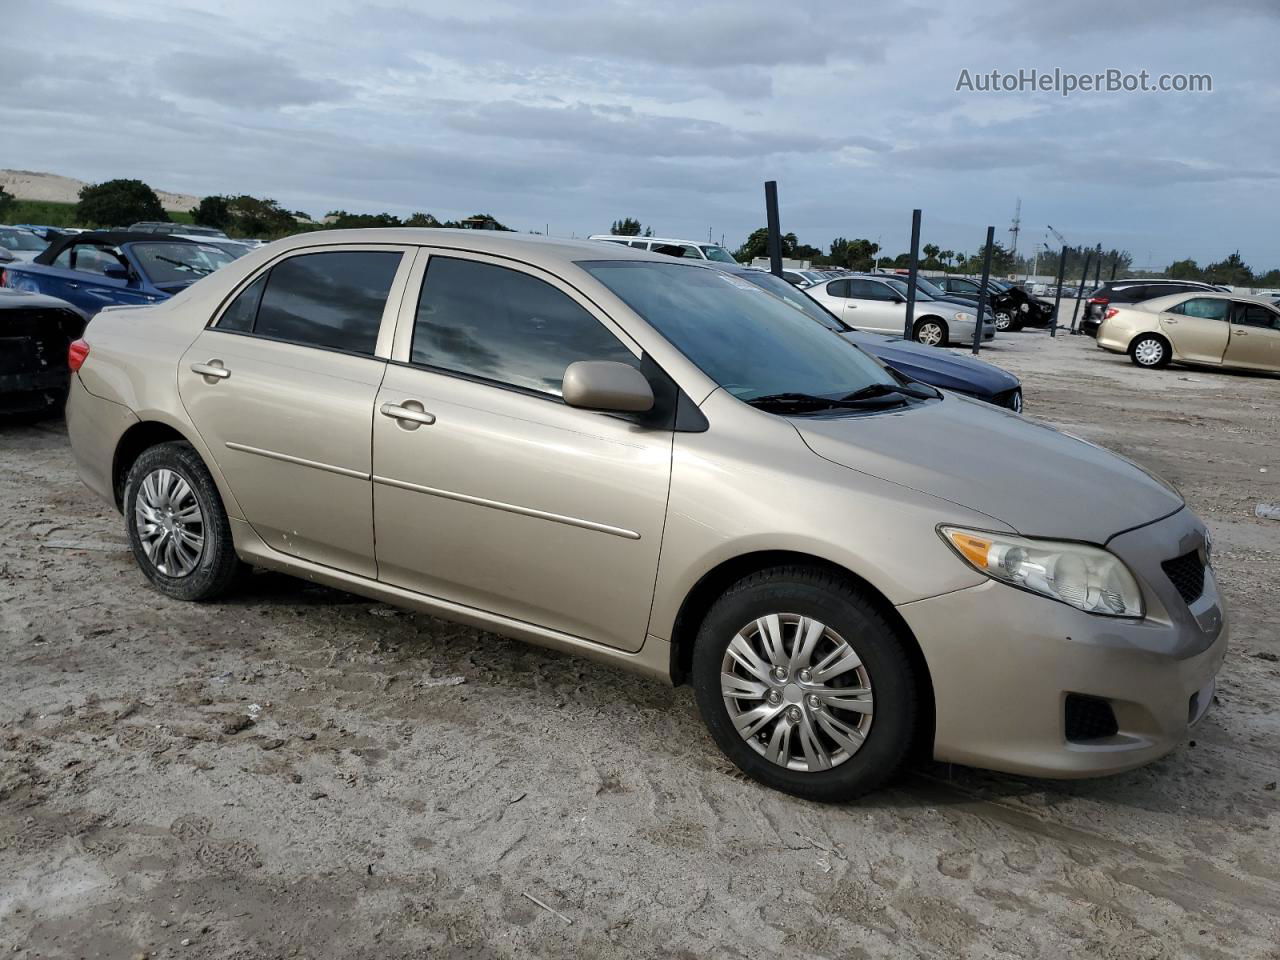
(1150, 351)
(821, 595)
(925, 322)
(218, 564)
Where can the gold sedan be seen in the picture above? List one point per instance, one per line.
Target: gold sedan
(1215, 329)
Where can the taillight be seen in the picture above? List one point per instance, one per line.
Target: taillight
(1102, 300)
(77, 354)
(1111, 313)
(3, 277)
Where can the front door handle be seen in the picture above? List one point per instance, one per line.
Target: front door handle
(410, 417)
(1240, 333)
(73, 285)
(211, 371)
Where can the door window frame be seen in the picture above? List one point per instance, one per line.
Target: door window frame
(406, 319)
(390, 309)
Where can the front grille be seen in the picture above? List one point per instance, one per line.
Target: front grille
(1089, 718)
(1186, 573)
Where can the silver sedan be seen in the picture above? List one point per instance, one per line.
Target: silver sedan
(879, 305)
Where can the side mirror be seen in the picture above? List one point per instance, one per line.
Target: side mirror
(116, 273)
(607, 385)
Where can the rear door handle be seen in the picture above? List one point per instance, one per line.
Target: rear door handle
(213, 370)
(409, 417)
(1240, 333)
(73, 285)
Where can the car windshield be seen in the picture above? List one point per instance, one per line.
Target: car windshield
(749, 342)
(929, 287)
(718, 253)
(901, 287)
(788, 294)
(20, 240)
(179, 262)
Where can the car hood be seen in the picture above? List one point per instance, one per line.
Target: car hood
(1038, 481)
(938, 367)
(951, 302)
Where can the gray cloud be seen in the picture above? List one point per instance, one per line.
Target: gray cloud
(252, 80)
(577, 113)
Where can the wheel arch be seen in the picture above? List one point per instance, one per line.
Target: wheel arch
(141, 436)
(1157, 334)
(713, 583)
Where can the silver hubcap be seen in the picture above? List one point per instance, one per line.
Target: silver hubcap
(1002, 321)
(1149, 352)
(930, 334)
(797, 692)
(169, 522)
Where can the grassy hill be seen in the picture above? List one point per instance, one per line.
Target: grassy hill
(54, 214)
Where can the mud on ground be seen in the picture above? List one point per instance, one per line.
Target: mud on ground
(406, 782)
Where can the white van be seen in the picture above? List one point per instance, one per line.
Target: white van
(690, 248)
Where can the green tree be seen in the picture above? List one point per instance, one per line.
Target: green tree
(629, 227)
(480, 221)
(252, 217)
(1185, 270)
(1232, 271)
(421, 220)
(118, 203)
(931, 252)
(213, 212)
(358, 221)
(1269, 279)
(7, 200)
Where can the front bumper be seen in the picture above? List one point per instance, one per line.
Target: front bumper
(1003, 662)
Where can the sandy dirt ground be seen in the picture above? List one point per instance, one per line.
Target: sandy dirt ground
(407, 785)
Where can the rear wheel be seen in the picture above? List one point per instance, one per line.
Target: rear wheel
(932, 332)
(1150, 351)
(178, 529)
(804, 685)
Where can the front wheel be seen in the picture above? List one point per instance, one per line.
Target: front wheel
(932, 332)
(178, 529)
(1150, 351)
(804, 685)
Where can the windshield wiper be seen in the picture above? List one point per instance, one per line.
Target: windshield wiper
(885, 389)
(808, 402)
(185, 266)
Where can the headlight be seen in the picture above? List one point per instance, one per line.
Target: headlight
(1088, 578)
(965, 318)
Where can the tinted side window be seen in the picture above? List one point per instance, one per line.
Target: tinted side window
(870, 290)
(838, 288)
(332, 300)
(1203, 307)
(1253, 315)
(244, 308)
(503, 325)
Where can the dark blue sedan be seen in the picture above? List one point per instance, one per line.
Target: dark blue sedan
(107, 268)
(948, 371)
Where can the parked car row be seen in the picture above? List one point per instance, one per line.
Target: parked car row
(1124, 292)
(674, 466)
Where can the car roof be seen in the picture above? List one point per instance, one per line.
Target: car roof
(1209, 295)
(102, 238)
(619, 236)
(531, 248)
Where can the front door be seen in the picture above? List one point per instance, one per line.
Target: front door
(282, 390)
(1198, 328)
(1255, 337)
(875, 306)
(488, 490)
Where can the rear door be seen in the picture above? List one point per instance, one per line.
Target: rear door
(489, 491)
(1255, 337)
(1198, 328)
(281, 387)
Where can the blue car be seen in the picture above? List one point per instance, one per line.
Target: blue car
(107, 268)
(947, 371)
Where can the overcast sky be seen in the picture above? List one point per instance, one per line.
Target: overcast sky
(573, 114)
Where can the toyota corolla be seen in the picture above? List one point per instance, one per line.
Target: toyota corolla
(619, 455)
